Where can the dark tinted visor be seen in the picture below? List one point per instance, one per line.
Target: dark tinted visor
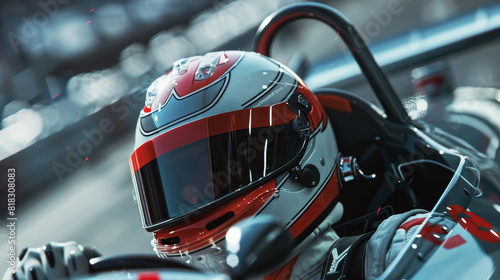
(223, 154)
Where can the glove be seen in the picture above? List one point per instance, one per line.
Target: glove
(391, 237)
(52, 261)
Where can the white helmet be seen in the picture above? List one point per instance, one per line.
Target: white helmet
(226, 136)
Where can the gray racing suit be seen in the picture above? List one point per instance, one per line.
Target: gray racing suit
(356, 257)
(326, 257)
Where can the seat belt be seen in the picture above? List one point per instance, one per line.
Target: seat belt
(346, 258)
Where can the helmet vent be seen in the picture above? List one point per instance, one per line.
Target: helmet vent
(219, 221)
(170, 241)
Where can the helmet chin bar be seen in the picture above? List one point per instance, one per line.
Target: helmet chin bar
(391, 103)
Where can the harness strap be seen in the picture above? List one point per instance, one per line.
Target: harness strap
(346, 258)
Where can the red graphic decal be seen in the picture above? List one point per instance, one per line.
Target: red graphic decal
(89, 21)
(148, 276)
(85, 160)
(474, 224)
(91, 10)
(337, 35)
(432, 234)
(378, 210)
(223, 59)
(415, 222)
(454, 242)
(55, 95)
(184, 83)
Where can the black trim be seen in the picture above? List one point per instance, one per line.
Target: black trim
(219, 221)
(296, 106)
(170, 240)
(349, 264)
(23, 253)
(49, 254)
(120, 262)
(191, 252)
(377, 79)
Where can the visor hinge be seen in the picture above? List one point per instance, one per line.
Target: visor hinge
(301, 126)
(308, 176)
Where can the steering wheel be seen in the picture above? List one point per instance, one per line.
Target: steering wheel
(120, 262)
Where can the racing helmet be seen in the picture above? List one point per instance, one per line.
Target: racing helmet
(226, 136)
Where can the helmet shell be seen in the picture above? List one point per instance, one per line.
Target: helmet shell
(201, 87)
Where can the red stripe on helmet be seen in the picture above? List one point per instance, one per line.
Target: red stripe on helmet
(148, 276)
(193, 233)
(185, 84)
(231, 121)
(320, 204)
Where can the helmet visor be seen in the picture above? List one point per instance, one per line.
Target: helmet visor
(196, 165)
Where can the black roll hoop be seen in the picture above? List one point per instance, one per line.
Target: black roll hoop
(390, 101)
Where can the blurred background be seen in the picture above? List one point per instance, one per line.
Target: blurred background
(73, 73)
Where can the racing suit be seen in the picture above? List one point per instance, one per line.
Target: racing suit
(326, 257)
(357, 257)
